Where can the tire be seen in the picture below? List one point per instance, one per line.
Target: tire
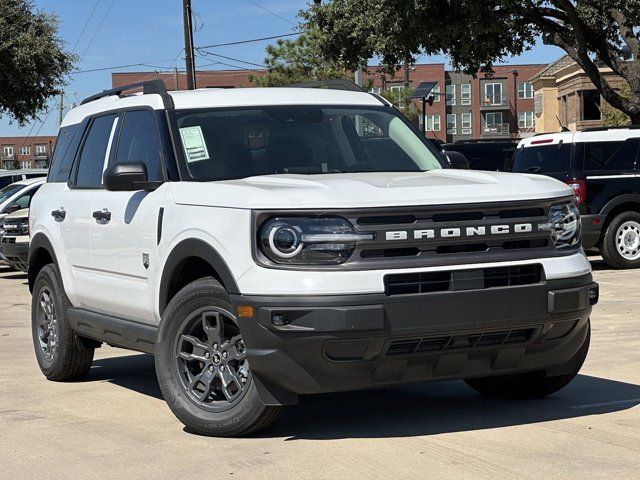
(621, 242)
(529, 385)
(59, 356)
(199, 350)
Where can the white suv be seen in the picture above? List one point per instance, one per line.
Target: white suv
(267, 243)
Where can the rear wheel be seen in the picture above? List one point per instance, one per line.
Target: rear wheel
(202, 365)
(529, 385)
(59, 356)
(621, 242)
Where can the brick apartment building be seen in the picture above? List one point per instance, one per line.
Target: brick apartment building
(496, 107)
(26, 152)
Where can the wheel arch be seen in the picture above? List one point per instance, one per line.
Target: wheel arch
(623, 203)
(189, 260)
(41, 253)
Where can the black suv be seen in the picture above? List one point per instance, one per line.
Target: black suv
(603, 168)
(492, 155)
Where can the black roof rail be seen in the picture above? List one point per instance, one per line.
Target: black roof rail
(148, 88)
(332, 83)
(602, 129)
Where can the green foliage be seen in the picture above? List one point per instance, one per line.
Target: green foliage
(294, 61)
(401, 98)
(612, 117)
(33, 63)
(476, 34)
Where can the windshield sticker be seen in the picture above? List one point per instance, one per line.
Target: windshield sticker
(193, 142)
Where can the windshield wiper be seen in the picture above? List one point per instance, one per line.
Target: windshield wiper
(535, 169)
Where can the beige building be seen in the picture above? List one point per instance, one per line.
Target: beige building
(565, 97)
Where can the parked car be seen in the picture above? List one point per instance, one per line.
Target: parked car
(493, 155)
(14, 244)
(262, 247)
(11, 176)
(602, 167)
(16, 196)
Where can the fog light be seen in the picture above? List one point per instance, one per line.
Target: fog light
(279, 319)
(593, 295)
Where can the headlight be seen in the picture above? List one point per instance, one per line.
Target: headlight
(310, 241)
(564, 225)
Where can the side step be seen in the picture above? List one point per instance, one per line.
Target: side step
(112, 330)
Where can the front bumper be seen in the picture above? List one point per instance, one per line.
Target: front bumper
(350, 342)
(15, 251)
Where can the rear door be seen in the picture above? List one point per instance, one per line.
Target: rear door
(75, 199)
(609, 167)
(124, 246)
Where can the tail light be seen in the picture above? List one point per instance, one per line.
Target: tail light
(579, 190)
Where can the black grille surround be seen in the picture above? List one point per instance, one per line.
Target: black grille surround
(440, 250)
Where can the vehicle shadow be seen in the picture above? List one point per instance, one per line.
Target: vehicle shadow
(422, 409)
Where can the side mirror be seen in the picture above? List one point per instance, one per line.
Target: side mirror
(457, 160)
(126, 177)
(14, 207)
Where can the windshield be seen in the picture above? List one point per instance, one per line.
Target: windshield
(223, 144)
(543, 159)
(9, 191)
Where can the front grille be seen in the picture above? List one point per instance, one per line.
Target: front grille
(459, 280)
(414, 346)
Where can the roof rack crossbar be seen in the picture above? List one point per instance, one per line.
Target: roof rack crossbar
(148, 88)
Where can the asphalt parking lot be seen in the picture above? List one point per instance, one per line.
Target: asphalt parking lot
(116, 425)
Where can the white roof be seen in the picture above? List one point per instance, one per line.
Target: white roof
(226, 97)
(604, 135)
(30, 181)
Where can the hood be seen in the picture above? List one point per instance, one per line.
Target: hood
(371, 189)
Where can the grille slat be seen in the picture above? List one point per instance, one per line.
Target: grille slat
(459, 342)
(460, 280)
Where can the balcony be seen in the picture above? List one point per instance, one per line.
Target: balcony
(495, 130)
(494, 102)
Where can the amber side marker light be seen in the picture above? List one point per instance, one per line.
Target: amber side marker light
(245, 311)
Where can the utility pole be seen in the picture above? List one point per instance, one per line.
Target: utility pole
(176, 85)
(188, 44)
(61, 109)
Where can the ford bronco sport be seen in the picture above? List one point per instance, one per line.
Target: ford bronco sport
(269, 243)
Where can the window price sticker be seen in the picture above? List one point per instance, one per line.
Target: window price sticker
(194, 145)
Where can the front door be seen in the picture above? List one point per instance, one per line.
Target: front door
(124, 227)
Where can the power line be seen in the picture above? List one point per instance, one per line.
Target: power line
(104, 17)
(116, 67)
(95, 5)
(272, 12)
(231, 58)
(239, 42)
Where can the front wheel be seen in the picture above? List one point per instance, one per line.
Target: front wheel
(529, 385)
(202, 366)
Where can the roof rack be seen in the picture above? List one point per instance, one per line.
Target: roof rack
(602, 129)
(148, 88)
(332, 83)
(472, 141)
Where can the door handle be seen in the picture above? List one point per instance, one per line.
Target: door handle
(59, 215)
(102, 216)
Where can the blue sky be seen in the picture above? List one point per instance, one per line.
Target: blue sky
(122, 32)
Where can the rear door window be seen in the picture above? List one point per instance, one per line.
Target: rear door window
(543, 159)
(93, 157)
(617, 156)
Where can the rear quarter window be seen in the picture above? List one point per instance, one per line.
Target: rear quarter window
(609, 156)
(543, 159)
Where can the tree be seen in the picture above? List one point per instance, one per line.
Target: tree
(294, 61)
(401, 98)
(477, 33)
(33, 62)
(612, 117)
